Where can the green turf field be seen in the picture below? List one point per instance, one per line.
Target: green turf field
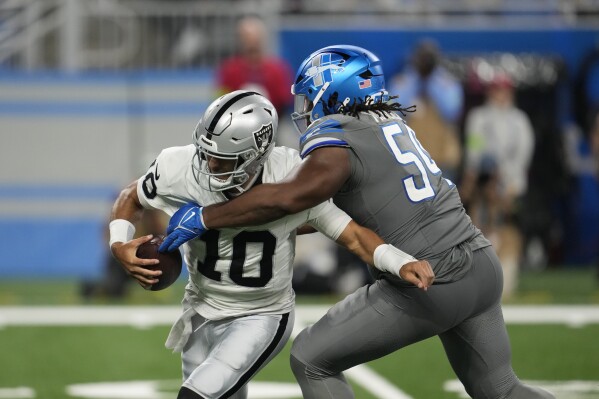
(103, 362)
(50, 359)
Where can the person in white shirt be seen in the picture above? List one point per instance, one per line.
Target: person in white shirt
(238, 304)
(499, 149)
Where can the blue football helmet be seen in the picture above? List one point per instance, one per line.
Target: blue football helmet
(352, 72)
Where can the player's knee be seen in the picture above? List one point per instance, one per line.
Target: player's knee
(505, 384)
(297, 367)
(494, 385)
(300, 348)
(212, 380)
(303, 371)
(306, 361)
(522, 391)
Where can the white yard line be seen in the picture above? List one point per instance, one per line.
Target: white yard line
(136, 316)
(375, 384)
(562, 389)
(17, 393)
(148, 316)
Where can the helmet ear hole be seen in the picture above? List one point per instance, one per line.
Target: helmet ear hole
(333, 99)
(367, 74)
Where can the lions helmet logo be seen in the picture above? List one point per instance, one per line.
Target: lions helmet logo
(323, 67)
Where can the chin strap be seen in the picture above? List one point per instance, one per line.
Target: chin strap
(237, 191)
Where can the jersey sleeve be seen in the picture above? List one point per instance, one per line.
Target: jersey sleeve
(326, 132)
(154, 188)
(328, 219)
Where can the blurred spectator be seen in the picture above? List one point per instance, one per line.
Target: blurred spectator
(114, 281)
(581, 218)
(585, 94)
(595, 151)
(253, 69)
(439, 100)
(594, 136)
(499, 149)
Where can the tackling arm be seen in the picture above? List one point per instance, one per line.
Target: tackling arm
(371, 248)
(315, 180)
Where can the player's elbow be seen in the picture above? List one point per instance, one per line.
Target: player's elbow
(127, 201)
(288, 199)
(126, 192)
(129, 193)
(286, 205)
(290, 203)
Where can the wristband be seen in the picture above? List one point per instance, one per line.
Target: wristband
(387, 258)
(121, 230)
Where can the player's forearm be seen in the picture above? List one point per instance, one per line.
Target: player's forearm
(262, 204)
(315, 180)
(371, 248)
(360, 241)
(127, 205)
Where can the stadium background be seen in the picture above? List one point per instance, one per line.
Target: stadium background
(91, 90)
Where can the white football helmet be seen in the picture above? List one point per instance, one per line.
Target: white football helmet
(238, 126)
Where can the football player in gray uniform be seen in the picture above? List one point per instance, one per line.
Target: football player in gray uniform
(238, 303)
(358, 150)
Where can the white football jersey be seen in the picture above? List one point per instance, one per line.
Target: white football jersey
(234, 272)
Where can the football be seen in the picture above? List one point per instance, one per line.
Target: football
(170, 262)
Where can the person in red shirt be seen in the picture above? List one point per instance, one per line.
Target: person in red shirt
(253, 69)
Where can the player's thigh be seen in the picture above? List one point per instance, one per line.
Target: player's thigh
(477, 291)
(252, 341)
(478, 347)
(198, 345)
(364, 326)
(479, 352)
(239, 349)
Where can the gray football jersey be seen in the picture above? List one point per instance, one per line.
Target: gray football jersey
(397, 190)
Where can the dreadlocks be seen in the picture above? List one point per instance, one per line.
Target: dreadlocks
(334, 106)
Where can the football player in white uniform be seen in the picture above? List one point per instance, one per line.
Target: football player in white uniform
(238, 304)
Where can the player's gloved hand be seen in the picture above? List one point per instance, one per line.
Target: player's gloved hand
(186, 224)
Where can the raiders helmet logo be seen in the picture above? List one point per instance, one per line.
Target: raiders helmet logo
(263, 137)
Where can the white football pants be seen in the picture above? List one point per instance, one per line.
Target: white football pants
(221, 356)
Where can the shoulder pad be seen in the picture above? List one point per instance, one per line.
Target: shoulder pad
(321, 126)
(323, 133)
(279, 163)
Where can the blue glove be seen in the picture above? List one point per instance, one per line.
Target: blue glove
(186, 224)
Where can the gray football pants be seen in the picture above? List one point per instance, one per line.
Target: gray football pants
(381, 318)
